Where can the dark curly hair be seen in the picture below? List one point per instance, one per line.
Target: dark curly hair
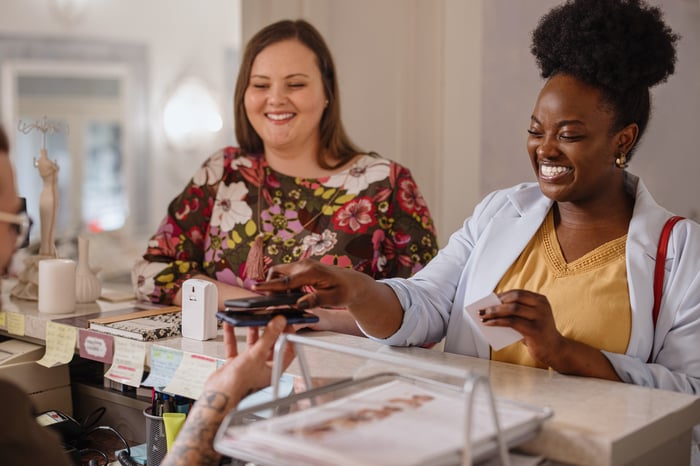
(621, 47)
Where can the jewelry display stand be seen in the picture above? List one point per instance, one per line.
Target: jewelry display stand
(27, 286)
(491, 425)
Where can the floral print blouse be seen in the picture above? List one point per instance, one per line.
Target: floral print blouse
(370, 217)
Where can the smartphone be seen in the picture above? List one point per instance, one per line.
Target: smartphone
(261, 318)
(261, 302)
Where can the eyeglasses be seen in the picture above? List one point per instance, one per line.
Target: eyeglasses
(21, 224)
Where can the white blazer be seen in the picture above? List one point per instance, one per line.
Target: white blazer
(478, 255)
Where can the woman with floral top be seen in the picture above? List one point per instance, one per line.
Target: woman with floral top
(296, 188)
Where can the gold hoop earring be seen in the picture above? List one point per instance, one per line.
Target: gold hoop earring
(621, 161)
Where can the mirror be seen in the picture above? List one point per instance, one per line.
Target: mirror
(87, 103)
(94, 95)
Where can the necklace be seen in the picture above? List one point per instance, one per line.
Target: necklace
(255, 264)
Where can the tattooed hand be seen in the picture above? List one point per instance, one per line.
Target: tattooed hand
(224, 389)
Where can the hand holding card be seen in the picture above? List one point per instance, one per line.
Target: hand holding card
(498, 337)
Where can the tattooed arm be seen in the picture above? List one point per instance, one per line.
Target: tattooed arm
(239, 376)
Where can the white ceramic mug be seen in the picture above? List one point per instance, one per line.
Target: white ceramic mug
(56, 286)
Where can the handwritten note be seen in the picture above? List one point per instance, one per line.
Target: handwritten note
(190, 376)
(96, 346)
(60, 344)
(498, 337)
(127, 365)
(164, 364)
(15, 323)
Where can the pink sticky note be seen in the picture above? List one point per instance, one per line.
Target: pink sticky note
(96, 346)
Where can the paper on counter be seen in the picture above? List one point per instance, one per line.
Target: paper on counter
(498, 337)
(164, 364)
(15, 323)
(60, 344)
(128, 362)
(190, 376)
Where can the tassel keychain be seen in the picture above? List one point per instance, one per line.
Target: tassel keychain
(254, 265)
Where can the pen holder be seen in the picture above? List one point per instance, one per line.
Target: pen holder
(156, 443)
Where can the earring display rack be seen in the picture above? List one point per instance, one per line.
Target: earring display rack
(384, 418)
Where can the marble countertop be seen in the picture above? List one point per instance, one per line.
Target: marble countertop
(595, 421)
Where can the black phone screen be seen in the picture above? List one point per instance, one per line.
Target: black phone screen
(259, 302)
(261, 318)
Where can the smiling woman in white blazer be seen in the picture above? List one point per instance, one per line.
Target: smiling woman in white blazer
(570, 257)
(477, 256)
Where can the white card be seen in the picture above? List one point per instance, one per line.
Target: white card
(498, 337)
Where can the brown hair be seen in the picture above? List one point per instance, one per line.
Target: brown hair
(333, 137)
(4, 144)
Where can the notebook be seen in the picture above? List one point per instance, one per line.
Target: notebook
(146, 328)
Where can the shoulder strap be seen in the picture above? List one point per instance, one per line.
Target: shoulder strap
(659, 269)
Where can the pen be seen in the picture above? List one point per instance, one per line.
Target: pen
(167, 404)
(182, 405)
(154, 397)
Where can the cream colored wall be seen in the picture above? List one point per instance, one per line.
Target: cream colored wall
(667, 158)
(401, 96)
(446, 87)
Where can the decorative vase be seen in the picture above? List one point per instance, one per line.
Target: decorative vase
(87, 285)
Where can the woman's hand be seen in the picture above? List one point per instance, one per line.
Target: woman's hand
(333, 286)
(531, 314)
(374, 305)
(225, 387)
(251, 370)
(333, 320)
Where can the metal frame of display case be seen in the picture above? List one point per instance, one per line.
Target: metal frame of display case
(470, 383)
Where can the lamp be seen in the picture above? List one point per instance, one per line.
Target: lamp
(191, 116)
(69, 12)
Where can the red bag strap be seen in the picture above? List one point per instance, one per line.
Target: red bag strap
(659, 269)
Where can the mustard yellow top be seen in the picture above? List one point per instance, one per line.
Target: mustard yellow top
(589, 296)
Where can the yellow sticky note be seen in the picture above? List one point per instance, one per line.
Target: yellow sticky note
(3, 319)
(60, 344)
(15, 323)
